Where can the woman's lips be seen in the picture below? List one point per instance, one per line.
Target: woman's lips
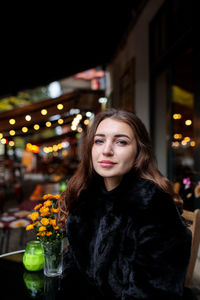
(107, 163)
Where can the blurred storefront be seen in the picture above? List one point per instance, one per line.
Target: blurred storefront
(153, 74)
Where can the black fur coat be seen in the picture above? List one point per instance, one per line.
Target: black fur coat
(129, 243)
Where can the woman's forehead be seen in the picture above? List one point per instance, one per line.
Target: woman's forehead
(111, 126)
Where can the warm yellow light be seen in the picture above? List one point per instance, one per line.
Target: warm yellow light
(43, 112)
(3, 141)
(12, 132)
(177, 116)
(28, 118)
(192, 144)
(46, 149)
(1, 135)
(24, 129)
(60, 121)
(60, 146)
(184, 143)
(86, 122)
(60, 106)
(175, 144)
(80, 129)
(177, 136)
(32, 148)
(12, 121)
(48, 124)
(55, 148)
(187, 138)
(79, 116)
(73, 127)
(64, 152)
(188, 122)
(36, 127)
(11, 143)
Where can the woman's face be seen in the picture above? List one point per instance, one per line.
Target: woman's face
(114, 151)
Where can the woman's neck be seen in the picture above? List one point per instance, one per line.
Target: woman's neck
(112, 182)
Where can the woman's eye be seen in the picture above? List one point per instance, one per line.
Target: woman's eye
(122, 142)
(98, 141)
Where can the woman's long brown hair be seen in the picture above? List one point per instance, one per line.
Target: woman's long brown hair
(145, 165)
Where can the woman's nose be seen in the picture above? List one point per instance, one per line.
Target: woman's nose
(108, 149)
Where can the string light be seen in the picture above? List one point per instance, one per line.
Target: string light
(177, 136)
(48, 124)
(24, 129)
(43, 112)
(187, 138)
(12, 132)
(3, 141)
(188, 122)
(28, 118)
(60, 121)
(60, 106)
(36, 127)
(86, 122)
(177, 116)
(184, 143)
(12, 121)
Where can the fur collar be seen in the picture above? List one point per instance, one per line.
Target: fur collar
(132, 193)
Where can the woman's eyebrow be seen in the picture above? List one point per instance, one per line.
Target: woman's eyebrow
(116, 135)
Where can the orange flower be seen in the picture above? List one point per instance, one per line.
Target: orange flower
(50, 196)
(45, 214)
(49, 233)
(34, 216)
(41, 233)
(56, 227)
(30, 227)
(44, 209)
(37, 206)
(42, 228)
(54, 210)
(47, 196)
(52, 222)
(44, 221)
(47, 203)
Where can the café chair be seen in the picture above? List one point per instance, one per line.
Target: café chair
(193, 221)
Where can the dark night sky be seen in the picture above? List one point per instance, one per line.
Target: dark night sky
(41, 44)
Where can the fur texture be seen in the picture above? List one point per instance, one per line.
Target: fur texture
(129, 243)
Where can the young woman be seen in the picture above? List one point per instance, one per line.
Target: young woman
(126, 236)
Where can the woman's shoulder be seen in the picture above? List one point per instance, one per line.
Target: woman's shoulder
(144, 195)
(141, 192)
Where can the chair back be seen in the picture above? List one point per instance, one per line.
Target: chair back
(193, 220)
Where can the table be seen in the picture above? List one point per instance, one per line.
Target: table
(17, 283)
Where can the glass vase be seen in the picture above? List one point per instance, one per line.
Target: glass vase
(53, 257)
